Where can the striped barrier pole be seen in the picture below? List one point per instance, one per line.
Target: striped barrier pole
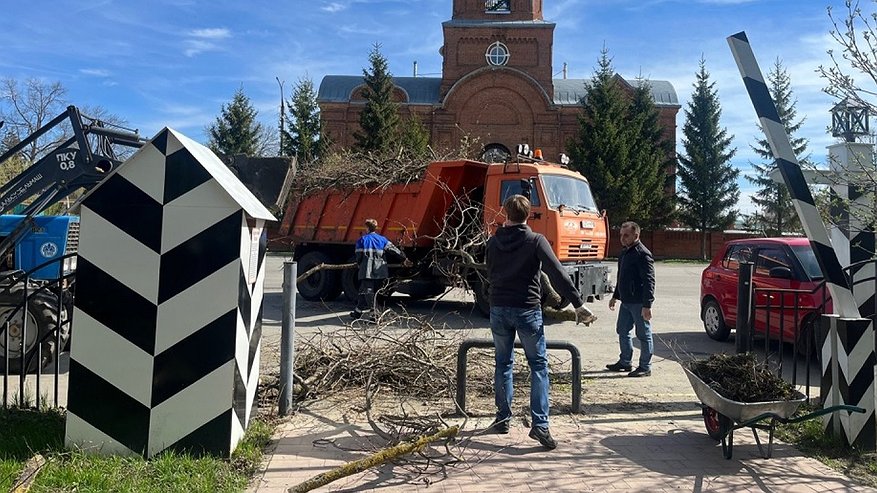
(838, 285)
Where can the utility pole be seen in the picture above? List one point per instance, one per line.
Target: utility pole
(280, 83)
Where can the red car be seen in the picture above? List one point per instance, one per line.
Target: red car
(780, 263)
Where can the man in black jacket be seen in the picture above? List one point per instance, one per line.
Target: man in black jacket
(515, 257)
(635, 289)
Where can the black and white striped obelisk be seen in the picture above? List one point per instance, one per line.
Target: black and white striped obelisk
(167, 314)
(848, 351)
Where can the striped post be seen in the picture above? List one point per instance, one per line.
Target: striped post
(852, 236)
(848, 352)
(838, 285)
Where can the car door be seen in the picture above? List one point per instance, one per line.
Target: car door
(774, 307)
(724, 280)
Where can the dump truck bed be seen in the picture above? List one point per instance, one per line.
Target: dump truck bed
(407, 214)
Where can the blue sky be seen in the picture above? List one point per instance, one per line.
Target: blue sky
(175, 62)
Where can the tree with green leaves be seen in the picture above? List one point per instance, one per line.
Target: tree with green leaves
(304, 139)
(708, 189)
(237, 130)
(776, 212)
(414, 137)
(379, 120)
(619, 150)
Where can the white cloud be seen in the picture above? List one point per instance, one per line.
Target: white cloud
(333, 7)
(96, 72)
(210, 33)
(201, 40)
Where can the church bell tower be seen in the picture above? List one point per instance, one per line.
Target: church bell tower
(497, 34)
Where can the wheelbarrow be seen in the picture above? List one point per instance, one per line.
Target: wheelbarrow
(722, 416)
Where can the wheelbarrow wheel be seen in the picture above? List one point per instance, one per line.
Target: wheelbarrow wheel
(716, 423)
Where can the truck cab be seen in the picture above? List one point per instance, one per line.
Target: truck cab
(563, 210)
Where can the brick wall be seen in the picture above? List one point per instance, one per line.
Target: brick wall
(679, 244)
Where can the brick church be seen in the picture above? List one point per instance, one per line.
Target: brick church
(497, 85)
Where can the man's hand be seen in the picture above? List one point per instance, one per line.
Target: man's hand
(584, 315)
(407, 263)
(611, 303)
(647, 313)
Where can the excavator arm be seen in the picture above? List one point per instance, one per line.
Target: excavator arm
(80, 161)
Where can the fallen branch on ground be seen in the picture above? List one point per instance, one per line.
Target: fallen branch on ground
(373, 460)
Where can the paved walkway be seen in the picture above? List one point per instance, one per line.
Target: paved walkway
(635, 451)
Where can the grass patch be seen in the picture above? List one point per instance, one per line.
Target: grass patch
(24, 432)
(809, 437)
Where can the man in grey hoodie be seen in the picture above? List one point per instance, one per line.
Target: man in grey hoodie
(515, 256)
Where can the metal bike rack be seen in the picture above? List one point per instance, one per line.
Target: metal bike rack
(488, 343)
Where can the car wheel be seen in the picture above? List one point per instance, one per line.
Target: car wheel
(714, 322)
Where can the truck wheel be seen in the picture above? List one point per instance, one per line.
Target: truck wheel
(480, 288)
(350, 282)
(41, 326)
(714, 322)
(426, 292)
(323, 285)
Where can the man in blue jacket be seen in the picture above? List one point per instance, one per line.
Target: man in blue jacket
(371, 256)
(635, 289)
(515, 257)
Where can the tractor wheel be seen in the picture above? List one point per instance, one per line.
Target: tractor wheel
(42, 325)
(319, 286)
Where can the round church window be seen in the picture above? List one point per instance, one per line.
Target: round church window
(497, 54)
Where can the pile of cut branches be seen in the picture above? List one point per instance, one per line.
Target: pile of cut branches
(375, 171)
(741, 378)
(405, 355)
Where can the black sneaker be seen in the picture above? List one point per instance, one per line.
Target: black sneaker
(640, 372)
(355, 315)
(618, 367)
(544, 437)
(500, 427)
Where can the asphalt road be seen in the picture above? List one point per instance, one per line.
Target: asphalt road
(679, 334)
(676, 324)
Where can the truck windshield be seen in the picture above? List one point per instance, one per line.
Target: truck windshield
(569, 192)
(808, 261)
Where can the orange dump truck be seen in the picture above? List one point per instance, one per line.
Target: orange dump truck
(424, 218)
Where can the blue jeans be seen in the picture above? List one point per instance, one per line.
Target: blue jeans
(630, 315)
(527, 322)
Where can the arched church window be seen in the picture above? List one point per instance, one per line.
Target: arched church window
(497, 6)
(497, 54)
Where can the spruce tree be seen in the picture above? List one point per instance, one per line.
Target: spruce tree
(601, 151)
(379, 119)
(708, 187)
(620, 150)
(304, 139)
(653, 155)
(236, 130)
(776, 212)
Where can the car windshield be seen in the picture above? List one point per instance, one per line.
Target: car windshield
(808, 261)
(568, 192)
